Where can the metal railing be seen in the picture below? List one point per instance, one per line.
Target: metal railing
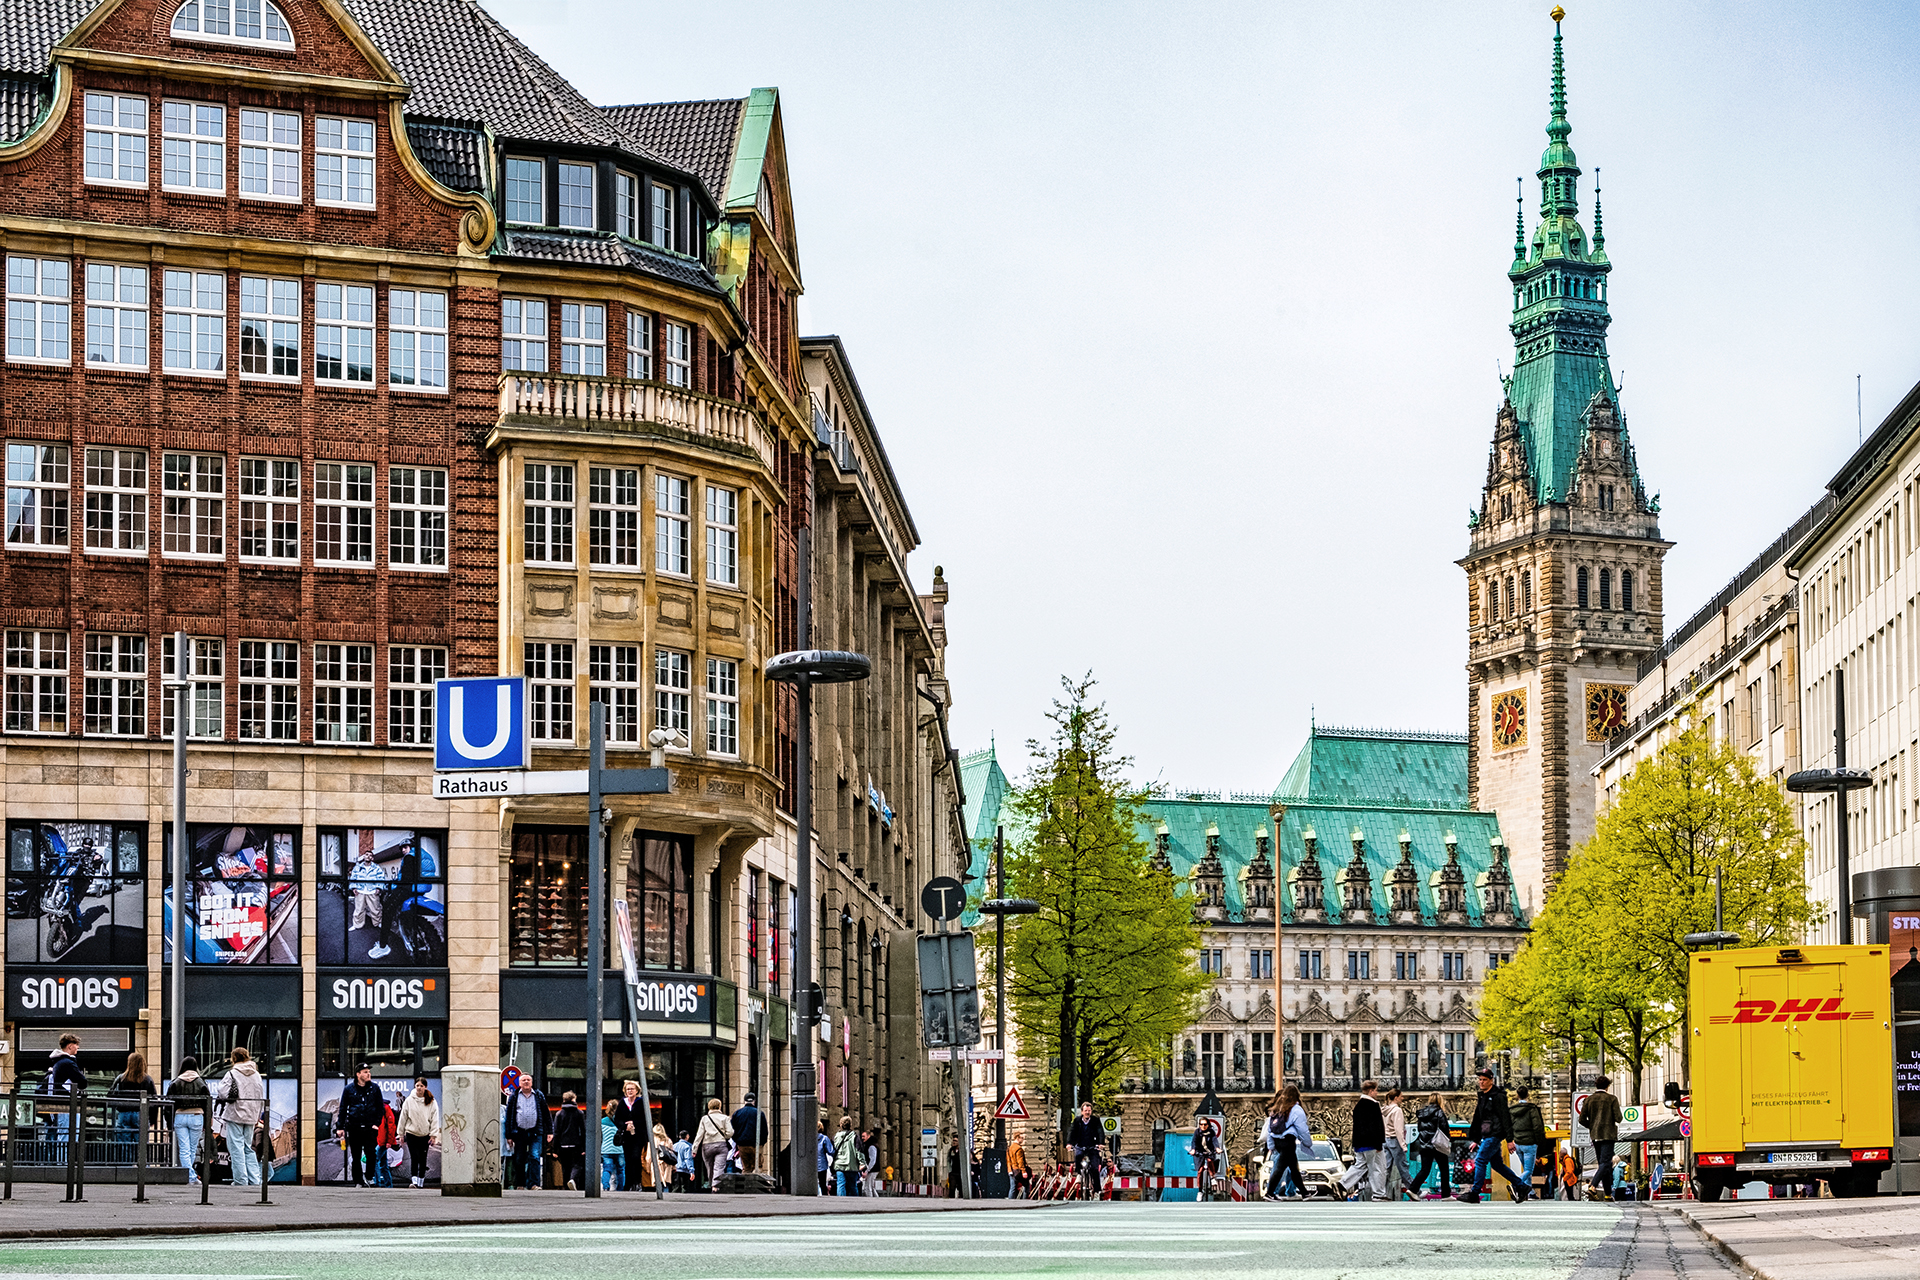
(42, 1133)
(622, 403)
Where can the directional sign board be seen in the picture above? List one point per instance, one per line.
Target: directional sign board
(549, 782)
(481, 723)
(1011, 1107)
(943, 898)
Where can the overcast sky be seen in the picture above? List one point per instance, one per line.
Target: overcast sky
(1181, 322)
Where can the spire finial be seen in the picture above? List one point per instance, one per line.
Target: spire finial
(1599, 224)
(1519, 219)
(1559, 102)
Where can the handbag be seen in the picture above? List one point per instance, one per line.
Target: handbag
(1441, 1142)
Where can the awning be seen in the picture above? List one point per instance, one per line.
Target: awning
(1666, 1131)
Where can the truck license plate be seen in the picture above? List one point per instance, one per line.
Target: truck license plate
(1792, 1157)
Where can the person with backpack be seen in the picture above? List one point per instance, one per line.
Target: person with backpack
(710, 1140)
(1286, 1133)
(847, 1159)
(243, 1110)
(191, 1101)
(1434, 1145)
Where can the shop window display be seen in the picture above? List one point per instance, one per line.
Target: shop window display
(76, 893)
(275, 1049)
(383, 898)
(244, 895)
(398, 1052)
(548, 923)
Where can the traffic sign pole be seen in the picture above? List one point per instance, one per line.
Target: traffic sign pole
(597, 948)
(1000, 999)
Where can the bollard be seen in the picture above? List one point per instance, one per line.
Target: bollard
(76, 1149)
(140, 1155)
(13, 1131)
(206, 1146)
(266, 1154)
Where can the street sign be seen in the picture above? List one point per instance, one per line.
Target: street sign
(1110, 1125)
(964, 1055)
(929, 1147)
(549, 782)
(949, 1000)
(481, 724)
(510, 1079)
(943, 898)
(1011, 1107)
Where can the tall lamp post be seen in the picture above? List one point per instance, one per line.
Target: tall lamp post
(1000, 907)
(1838, 780)
(180, 687)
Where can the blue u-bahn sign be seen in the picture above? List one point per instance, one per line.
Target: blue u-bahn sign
(481, 723)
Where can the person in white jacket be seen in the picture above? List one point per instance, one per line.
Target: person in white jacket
(420, 1126)
(243, 1096)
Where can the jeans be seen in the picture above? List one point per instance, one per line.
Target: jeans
(1396, 1168)
(611, 1174)
(526, 1158)
(126, 1131)
(1487, 1157)
(1603, 1166)
(1528, 1155)
(361, 1154)
(188, 1126)
(241, 1156)
(846, 1182)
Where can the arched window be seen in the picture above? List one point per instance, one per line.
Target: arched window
(1580, 587)
(1606, 588)
(1526, 592)
(1493, 601)
(234, 21)
(1626, 590)
(1509, 597)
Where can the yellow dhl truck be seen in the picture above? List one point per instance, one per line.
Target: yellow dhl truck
(1792, 1058)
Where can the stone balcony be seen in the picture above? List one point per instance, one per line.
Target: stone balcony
(573, 402)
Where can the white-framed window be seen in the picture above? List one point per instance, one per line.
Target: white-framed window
(673, 692)
(416, 517)
(723, 707)
(343, 333)
(576, 195)
(639, 344)
(583, 338)
(269, 690)
(343, 693)
(723, 535)
(193, 509)
(269, 328)
(626, 205)
(193, 147)
(114, 698)
(662, 223)
(39, 310)
(117, 500)
(269, 154)
(550, 690)
(343, 513)
(672, 525)
(194, 322)
(37, 498)
(116, 147)
(270, 509)
(613, 675)
(36, 669)
(523, 334)
(678, 356)
(234, 22)
(116, 316)
(411, 672)
(549, 513)
(207, 693)
(343, 162)
(613, 517)
(417, 339)
(526, 191)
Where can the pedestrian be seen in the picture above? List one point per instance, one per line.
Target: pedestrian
(526, 1126)
(419, 1128)
(1288, 1135)
(1567, 1169)
(1492, 1125)
(191, 1099)
(823, 1156)
(1017, 1175)
(1368, 1175)
(613, 1174)
(846, 1159)
(1433, 1142)
(1600, 1113)
(361, 1111)
(65, 1079)
(1396, 1124)
(870, 1149)
(569, 1140)
(710, 1139)
(1085, 1138)
(683, 1171)
(665, 1158)
(129, 1085)
(1529, 1132)
(386, 1145)
(243, 1109)
(630, 1125)
(749, 1132)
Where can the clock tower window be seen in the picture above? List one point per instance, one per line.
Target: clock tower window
(1626, 590)
(1526, 593)
(1580, 587)
(1606, 588)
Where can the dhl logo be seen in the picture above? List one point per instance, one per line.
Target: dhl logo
(1815, 1010)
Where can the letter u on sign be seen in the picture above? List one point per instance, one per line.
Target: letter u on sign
(481, 723)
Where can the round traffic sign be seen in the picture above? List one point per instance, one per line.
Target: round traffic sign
(943, 898)
(1630, 1115)
(1686, 1126)
(510, 1079)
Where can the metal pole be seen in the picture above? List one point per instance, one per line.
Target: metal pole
(646, 1102)
(806, 1103)
(1719, 903)
(181, 709)
(140, 1155)
(956, 1063)
(1845, 908)
(1000, 997)
(597, 948)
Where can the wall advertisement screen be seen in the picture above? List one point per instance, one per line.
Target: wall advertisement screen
(383, 897)
(244, 895)
(76, 893)
(330, 1140)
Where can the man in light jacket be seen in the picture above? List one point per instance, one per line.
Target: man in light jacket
(1395, 1121)
(244, 1108)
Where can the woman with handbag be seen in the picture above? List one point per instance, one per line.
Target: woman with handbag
(711, 1139)
(1287, 1130)
(1435, 1146)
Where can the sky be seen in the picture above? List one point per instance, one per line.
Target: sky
(1182, 323)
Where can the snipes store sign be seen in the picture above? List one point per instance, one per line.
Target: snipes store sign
(75, 995)
(382, 995)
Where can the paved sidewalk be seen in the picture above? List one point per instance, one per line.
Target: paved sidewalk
(38, 1211)
(1876, 1239)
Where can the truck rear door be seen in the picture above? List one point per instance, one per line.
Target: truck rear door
(1793, 1057)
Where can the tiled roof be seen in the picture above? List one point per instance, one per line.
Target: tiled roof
(600, 250)
(451, 152)
(20, 99)
(695, 136)
(31, 28)
(985, 785)
(1426, 770)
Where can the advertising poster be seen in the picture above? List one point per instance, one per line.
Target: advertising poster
(1904, 935)
(330, 1141)
(244, 906)
(75, 894)
(381, 898)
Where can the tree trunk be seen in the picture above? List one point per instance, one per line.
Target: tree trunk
(1069, 1058)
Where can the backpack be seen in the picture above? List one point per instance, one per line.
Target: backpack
(846, 1152)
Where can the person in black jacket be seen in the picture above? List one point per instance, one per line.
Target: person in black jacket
(1084, 1139)
(526, 1125)
(570, 1140)
(65, 1078)
(1492, 1125)
(1429, 1124)
(1368, 1175)
(362, 1108)
(749, 1131)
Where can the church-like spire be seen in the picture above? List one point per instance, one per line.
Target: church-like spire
(1519, 221)
(1599, 227)
(1559, 170)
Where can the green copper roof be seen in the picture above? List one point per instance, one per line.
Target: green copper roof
(1419, 770)
(985, 784)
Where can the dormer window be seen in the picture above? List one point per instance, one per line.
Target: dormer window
(576, 196)
(526, 191)
(626, 205)
(662, 224)
(234, 22)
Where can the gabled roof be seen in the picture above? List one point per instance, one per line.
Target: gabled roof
(1379, 766)
(33, 27)
(985, 785)
(21, 98)
(698, 137)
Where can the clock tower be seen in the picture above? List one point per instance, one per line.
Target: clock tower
(1563, 568)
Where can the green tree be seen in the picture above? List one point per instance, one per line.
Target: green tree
(1104, 975)
(1608, 941)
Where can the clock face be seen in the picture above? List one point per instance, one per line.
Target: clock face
(1606, 710)
(1509, 720)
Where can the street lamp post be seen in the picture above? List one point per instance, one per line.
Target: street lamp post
(1000, 907)
(1838, 780)
(180, 686)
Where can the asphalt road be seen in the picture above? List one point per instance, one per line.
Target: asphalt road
(1307, 1241)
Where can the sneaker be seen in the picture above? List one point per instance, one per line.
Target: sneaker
(378, 952)
(570, 1185)
(1467, 1197)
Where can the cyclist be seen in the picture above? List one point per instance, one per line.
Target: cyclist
(1085, 1140)
(1205, 1149)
